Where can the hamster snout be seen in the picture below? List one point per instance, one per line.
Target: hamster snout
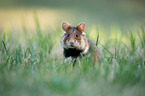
(71, 42)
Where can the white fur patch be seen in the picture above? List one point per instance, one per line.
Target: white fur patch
(84, 33)
(67, 43)
(62, 42)
(83, 43)
(86, 50)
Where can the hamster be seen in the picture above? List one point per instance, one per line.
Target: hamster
(75, 44)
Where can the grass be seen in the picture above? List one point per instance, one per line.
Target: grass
(28, 66)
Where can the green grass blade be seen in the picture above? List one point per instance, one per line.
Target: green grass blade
(106, 49)
(97, 41)
(6, 49)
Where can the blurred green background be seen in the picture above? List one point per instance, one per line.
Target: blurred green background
(52, 13)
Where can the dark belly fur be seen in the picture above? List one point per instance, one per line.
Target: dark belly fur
(72, 52)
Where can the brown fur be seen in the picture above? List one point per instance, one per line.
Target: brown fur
(74, 38)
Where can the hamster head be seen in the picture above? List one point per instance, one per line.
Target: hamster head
(74, 37)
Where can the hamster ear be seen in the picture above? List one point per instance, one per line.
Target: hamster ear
(65, 26)
(81, 27)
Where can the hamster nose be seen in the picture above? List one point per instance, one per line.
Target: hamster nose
(71, 42)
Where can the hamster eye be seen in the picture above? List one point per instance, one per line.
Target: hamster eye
(77, 35)
(68, 35)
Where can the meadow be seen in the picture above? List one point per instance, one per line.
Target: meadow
(32, 64)
(31, 57)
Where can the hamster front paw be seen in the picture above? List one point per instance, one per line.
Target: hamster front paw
(68, 59)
